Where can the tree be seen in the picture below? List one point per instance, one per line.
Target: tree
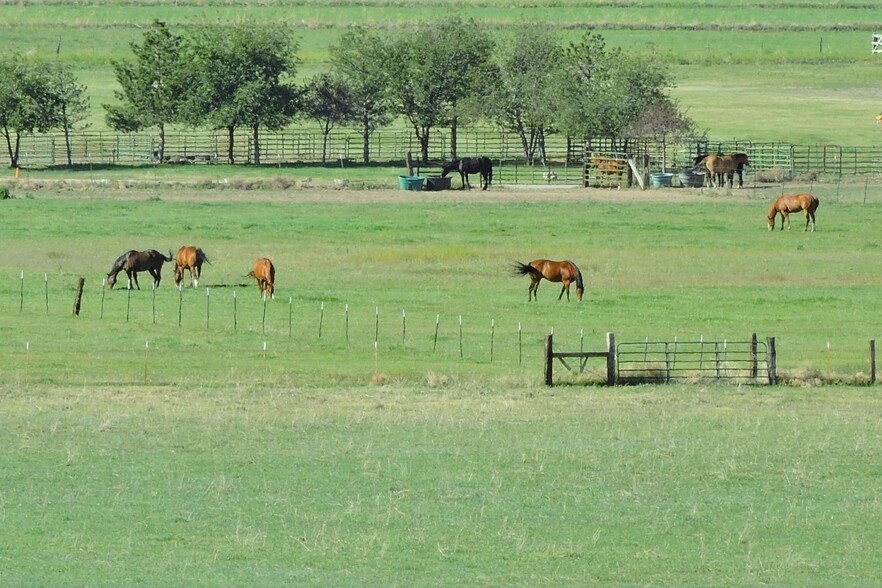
(27, 102)
(522, 98)
(72, 103)
(604, 93)
(358, 59)
(240, 79)
(327, 100)
(432, 69)
(152, 86)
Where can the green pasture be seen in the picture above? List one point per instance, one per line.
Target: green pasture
(387, 266)
(741, 72)
(148, 451)
(456, 485)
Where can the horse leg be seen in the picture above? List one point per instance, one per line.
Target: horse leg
(531, 291)
(565, 288)
(786, 216)
(813, 221)
(156, 277)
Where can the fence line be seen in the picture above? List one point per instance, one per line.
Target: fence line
(304, 146)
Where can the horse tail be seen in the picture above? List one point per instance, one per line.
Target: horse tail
(525, 269)
(170, 257)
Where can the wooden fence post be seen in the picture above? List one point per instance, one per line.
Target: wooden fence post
(549, 359)
(872, 361)
(754, 369)
(611, 359)
(773, 361)
(78, 299)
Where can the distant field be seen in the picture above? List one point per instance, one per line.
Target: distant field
(747, 72)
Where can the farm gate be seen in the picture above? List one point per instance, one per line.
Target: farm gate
(657, 362)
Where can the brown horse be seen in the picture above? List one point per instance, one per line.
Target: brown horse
(471, 165)
(722, 167)
(784, 205)
(189, 258)
(565, 272)
(609, 171)
(132, 262)
(265, 274)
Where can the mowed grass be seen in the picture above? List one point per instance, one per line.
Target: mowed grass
(467, 486)
(322, 460)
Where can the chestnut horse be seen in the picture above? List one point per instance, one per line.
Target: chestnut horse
(784, 205)
(132, 262)
(722, 167)
(565, 272)
(471, 165)
(189, 258)
(265, 274)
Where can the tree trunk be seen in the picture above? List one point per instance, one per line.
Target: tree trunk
(256, 139)
(326, 131)
(231, 133)
(366, 141)
(161, 143)
(13, 160)
(67, 148)
(453, 124)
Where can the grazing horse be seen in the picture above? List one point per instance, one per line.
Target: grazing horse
(784, 205)
(565, 272)
(720, 167)
(471, 165)
(189, 258)
(132, 262)
(265, 274)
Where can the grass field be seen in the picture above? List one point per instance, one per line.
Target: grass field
(744, 72)
(329, 437)
(230, 449)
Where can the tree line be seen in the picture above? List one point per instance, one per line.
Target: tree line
(444, 74)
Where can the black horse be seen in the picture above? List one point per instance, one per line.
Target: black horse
(471, 165)
(133, 262)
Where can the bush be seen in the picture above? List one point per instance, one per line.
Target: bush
(5, 193)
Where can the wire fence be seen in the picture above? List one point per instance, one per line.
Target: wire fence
(345, 146)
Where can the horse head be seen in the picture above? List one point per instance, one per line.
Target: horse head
(111, 280)
(179, 274)
(446, 168)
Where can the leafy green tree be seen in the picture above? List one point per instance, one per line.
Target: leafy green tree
(522, 99)
(432, 70)
(241, 78)
(358, 60)
(71, 101)
(27, 101)
(152, 86)
(605, 92)
(328, 100)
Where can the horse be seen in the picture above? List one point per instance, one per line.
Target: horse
(609, 170)
(719, 166)
(565, 272)
(470, 165)
(132, 262)
(189, 258)
(265, 274)
(784, 205)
